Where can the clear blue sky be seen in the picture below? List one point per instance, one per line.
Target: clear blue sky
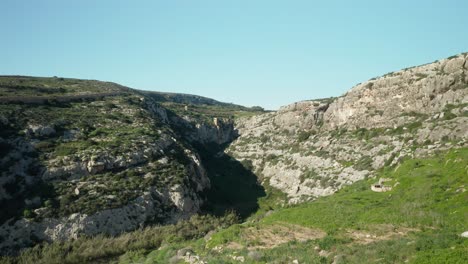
(263, 52)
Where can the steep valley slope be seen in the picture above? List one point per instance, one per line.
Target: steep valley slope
(85, 157)
(378, 174)
(313, 148)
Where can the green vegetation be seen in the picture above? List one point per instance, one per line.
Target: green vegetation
(85, 129)
(420, 76)
(273, 199)
(364, 163)
(55, 86)
(112, 189)
(310, 174)
(368, 134)
(103, 249)
(234, 187)
(206, 113)
(419, 221)
(428, 202)
(448, 111)
(27, 213)
(364, 133)
(417, 115)
(303, 136)
(413, 203)
(201, 109)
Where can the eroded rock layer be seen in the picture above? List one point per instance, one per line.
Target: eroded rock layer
(313, 148)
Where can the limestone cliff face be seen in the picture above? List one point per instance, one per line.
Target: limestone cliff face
(382, 102)
(313, 148)
(170, 204)
(110, 163)
(100, 166)
(221, 131)
(77, 161)
(217, 131)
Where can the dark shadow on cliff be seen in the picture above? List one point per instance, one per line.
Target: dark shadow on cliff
(26, 184)
(234, 187)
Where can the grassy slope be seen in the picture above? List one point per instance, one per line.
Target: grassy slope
(426, 195)
(429, 203)
(45, 86)
(423, 217)
(103, 249)
(429, 199)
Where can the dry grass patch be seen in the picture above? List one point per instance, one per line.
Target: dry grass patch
(378, 233)
(271, 236)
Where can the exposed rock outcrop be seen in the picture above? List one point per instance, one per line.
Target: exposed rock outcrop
(178, 203)
(108, 165)
(383, 102)
(40, 131)
(313, 148)
(111, 163)
(218, 131)
(169, 204)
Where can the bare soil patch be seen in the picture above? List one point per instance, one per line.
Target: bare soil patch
(271, 236)
(378, 233)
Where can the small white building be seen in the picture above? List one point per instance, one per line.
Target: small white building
(380, 187)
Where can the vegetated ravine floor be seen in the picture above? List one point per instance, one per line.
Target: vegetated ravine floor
(419, 221)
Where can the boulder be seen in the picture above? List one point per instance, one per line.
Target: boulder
(184, 252)
(40, 131)
(71, 170)
(95, 167)
(71, 135)
(454, 65)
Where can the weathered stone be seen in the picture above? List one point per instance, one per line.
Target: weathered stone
(111, 221)
(41, 131)
(184, 252)
(306, 150)
(172, 204)
(320, 164)
(71, 135)
(72, 170)
(95, 166)
(454, 64)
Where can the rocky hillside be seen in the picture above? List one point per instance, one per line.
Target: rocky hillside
(313, 148)
(202, 119)
(81, 157)
(190, 99)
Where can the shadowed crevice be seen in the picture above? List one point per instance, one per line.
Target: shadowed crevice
(233, 186)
